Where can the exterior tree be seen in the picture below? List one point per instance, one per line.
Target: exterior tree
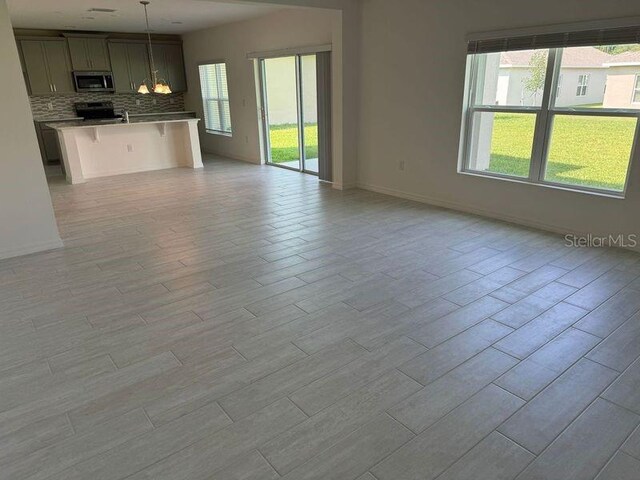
(617, 49)
(534, 83)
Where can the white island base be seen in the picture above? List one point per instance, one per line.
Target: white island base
(94, 149)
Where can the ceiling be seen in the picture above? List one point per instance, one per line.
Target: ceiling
(165, 16)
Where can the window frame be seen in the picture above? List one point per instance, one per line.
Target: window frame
(583, 85)
(559, 87)
(636, 89)
(542, 131)
(221, 100)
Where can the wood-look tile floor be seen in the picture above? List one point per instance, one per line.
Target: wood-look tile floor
(245, 322)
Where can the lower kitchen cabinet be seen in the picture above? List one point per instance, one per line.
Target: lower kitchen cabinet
(49, 144)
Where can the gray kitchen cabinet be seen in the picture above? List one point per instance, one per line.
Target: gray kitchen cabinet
(170, 64)
(50, 145)
(129, 64)
(175, 62)
(120, 67)
(24, 68)
(36, 67)
(89, 53)
(139, 63)
(48, 66)
(59, 66)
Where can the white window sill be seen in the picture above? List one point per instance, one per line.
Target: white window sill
(222, 134)
(554, 186)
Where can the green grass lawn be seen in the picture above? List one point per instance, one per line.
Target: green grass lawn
(284, 142)
(587, 151)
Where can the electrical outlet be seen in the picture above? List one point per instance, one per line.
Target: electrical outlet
(138, 102)
(246, 139)
(50, 106)
(129, 148)
(154, 101)
(401, 165)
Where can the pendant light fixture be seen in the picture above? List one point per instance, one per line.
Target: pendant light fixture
(157, 85)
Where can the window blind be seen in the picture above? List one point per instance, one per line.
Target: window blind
(611, 36)
(323, 79)
(215, 97)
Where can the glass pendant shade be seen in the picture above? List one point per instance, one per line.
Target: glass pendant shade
(143, 89)
(157, 86)
(162, 88)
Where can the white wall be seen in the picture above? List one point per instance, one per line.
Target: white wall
(345, 38)
(412, 81)
(285, 29)
(569, 86)
(515, 93)
(281, 90)
(27, 223)
(621, 83)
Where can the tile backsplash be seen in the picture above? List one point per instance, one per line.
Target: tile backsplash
(63, 104)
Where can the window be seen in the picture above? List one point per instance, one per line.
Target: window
(559, 89)
(522, 128)
(583, 84)
(215, 98)
(636, 90)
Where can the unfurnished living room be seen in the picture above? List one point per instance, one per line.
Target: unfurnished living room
(319, 240)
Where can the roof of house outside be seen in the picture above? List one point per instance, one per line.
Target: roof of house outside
(589, 57)
(626, 57)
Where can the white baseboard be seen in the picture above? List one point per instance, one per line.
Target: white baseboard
(127, 171)
(475, 211)
(31, 248)
(345, 186)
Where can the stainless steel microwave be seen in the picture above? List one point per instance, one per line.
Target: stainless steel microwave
(93, 82)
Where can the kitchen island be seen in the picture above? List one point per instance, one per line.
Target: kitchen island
(100, 148)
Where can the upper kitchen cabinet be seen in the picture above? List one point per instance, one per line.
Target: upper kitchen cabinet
(89, 53)
(47, 65)
(129, 64)
(23, 66)
(170, 64)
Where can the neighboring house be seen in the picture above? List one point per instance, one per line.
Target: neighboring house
(582, 81)
(588, 76)
(623, 81)
(282, 101)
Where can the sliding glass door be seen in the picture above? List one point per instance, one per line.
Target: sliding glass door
(290, 112)
(308, 86)
(281, 112)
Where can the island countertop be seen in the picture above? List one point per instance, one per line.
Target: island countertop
(133, 120)
(100, 148)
